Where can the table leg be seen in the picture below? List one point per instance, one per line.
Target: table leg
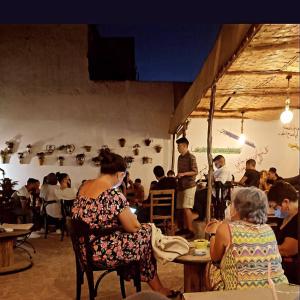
(6, 253)
(194, 277)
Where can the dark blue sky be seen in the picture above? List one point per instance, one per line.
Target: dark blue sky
(167, 52)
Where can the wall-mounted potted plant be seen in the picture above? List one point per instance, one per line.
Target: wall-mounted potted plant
(61, 160)
(10, 147)
(4, 156)
(136, 149)
(70, 148)
(157, 148)
(147, 160)
(50, 149)
(122, 142)
(29, 148)
(129, 160)
(87, 148)
(41, 157)
(21, 157)
(96, 160)
(80, 158)
(147, 142)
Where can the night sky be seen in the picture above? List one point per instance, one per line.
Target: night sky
(167, 52)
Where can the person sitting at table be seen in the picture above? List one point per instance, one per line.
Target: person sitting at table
(100, 203)
(285, 197)
(245, 247)
(273, 176)
(139, 192)
(263, 181)
(251, 176)
(171, 173)
(66, 191)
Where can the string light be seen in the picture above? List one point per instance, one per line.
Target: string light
(287, 115)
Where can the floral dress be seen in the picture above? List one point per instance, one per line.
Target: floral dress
(119, 247)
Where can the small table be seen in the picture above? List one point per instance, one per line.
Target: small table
(194, 270)
(7, 260)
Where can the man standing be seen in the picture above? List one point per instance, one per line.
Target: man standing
(187, 171)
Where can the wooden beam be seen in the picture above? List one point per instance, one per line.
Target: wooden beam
(263, 73)
(209, 152)
(227, 101)
(291, 44)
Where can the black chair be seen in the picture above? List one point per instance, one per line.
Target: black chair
(66, 212)
(223, 194)
(80, 234)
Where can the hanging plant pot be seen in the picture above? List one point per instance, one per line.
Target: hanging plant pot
(50, 149)
(41, 157)
(136, 150)
(29, 148)
(147, 142)
(87, 148)
(61, 160)
(80, 158)
(10, 147)
(70, 148)
(96, 160)
(158, 148)
(122, 142)
(129, 160)
(4, 156)
(147, 160)
(21, 157)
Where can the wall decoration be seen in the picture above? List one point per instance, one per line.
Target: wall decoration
(70, 148)
(87, 148)
(80, 158)
(122, 142)
(218, 150)
(294, 146)
(157, 148)
(258, 156)
(41, 157)
(4, 156)
(147, 142)
(290, 132)
(61, 160)
(21, 157)
(136, 150)
(236, 137)
(29, 148)
(50, 149)
(96, 160)
(129, 160)
(147, 160)
(10, 147)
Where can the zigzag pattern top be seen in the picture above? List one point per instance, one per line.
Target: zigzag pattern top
(245, 263)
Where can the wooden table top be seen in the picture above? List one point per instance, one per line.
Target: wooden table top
(192, 258)
(13, 234)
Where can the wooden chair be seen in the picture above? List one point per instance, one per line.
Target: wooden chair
(80, 234)
(162, 199)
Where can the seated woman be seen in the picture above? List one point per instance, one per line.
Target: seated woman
(101, 203)
(246, 246)
(285, 198)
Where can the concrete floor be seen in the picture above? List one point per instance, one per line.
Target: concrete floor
(53, 276)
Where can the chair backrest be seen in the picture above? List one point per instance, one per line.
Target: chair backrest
(162, 198)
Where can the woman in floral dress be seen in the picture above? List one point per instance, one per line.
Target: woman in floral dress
(100, 203)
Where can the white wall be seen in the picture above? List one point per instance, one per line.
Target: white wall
(272, 148)
(47, 98)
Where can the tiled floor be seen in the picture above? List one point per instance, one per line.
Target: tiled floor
(53, 276)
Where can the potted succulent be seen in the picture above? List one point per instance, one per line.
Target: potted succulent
(70, 148)
(129, 160)
(136, 149)
(96, 160)
(10, 146)
(29, 148)
(147, 141)
(80, 158)
(61, 160)
(157, 148)
(4, 156)
(50, 149)
(41, 157)
(21, 157)
(122, 142)
(87, 148)
(147, 160)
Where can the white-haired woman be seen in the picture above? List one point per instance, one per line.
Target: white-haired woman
(245, 248)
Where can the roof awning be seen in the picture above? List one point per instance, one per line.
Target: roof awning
(250, 64)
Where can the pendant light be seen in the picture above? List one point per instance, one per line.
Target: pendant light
(287, 115)
(242, 138)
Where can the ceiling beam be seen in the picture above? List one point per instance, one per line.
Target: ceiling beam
(265, 72)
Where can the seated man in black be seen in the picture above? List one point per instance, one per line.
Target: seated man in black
(251, 176)
(272, 176)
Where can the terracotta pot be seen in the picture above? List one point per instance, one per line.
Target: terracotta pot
(80, 158)
(147, 160)
(87, 148)
(29, 148)
(147, 142)
(61, 160)
(50, 149)
(41, 157)
(10, 146)
(136, 151)
(122, 142)
(70, 148)
(158, 148)
(21, 157)
(96, 161)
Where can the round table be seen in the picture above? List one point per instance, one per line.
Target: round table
(8, 264)
(194, 270)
